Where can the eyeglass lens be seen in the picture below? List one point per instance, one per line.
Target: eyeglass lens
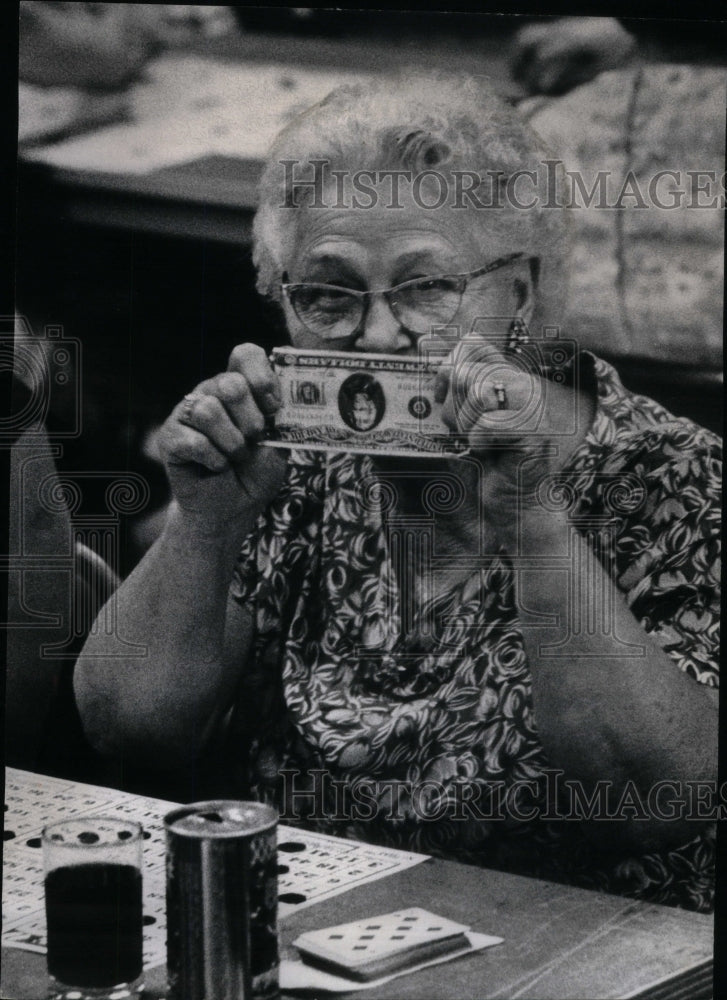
(333, 312)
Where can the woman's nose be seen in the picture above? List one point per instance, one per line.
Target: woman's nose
(381, 330)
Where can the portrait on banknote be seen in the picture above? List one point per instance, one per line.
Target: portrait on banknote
(361, 402)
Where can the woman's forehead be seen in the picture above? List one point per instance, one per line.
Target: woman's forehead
(408, 235)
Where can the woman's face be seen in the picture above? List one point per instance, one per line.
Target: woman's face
(364, 411)
(382, 246)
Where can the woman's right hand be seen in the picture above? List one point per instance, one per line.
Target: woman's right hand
(216, 470)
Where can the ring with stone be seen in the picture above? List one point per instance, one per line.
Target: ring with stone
(188, 406)
(501, 395)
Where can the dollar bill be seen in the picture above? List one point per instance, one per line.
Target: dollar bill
(341, 401)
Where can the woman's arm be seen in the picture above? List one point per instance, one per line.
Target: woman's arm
(161, 703)
(160, 696)
(611, 705)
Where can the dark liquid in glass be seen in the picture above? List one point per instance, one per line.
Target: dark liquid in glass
(94, 924)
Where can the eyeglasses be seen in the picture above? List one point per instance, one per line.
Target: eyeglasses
(335, 313)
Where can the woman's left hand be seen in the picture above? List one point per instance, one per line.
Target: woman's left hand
(522, 426)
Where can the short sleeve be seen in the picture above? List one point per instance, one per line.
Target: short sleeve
(667, 552)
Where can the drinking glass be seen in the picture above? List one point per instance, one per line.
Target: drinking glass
(93, 908)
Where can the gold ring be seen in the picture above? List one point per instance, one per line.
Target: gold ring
(501, 394)
(188, 406)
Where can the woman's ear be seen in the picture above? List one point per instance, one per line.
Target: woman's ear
(524, 289)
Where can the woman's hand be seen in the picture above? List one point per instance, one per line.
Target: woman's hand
(209, 442)
(522, 426)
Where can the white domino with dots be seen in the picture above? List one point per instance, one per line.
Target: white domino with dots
(387, 938)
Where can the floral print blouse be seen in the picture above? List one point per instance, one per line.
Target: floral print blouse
(413, 725)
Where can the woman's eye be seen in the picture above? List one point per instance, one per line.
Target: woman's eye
(435, 285)
(331, 299)
(322, 298)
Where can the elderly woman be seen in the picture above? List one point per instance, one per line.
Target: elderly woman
(549, 654)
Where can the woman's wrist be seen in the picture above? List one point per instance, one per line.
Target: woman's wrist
(197, 526)
(544, 531)
(535, 532)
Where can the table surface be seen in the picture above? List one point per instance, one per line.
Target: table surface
(559, 942)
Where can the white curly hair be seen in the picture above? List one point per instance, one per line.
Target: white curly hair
(419, 123)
